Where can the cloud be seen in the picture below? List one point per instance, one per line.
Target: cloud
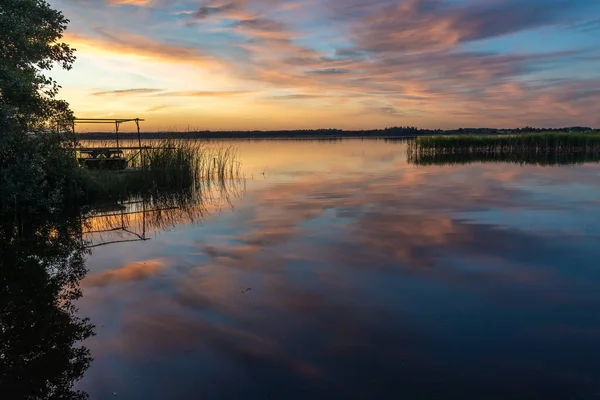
(411, 52)
(183, 12)
(391, 111)
(263, 28)
(212, 9)
(330, 71)
(415, 26)
(298, 96)
(251, 19)
(126, 92)
(135, 271)
(431, 63)
(158, 108)
(142, 46)
(164, 93)
(260, 24)
(590, 26)
(132, 2)
(200, 93)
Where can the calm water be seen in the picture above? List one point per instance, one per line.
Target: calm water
(337, 270)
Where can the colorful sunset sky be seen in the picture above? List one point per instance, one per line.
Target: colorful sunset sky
(350, 64)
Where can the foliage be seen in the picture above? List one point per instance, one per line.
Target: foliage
(30, 34)
(36, 172)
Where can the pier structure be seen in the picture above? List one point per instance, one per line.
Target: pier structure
(109, 157)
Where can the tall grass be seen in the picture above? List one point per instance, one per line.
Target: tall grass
(537, 148)
(167, 166)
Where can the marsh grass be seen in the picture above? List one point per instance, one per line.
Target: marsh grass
(167, 167)
(539, 148)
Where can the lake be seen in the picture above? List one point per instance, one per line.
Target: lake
(338, 270)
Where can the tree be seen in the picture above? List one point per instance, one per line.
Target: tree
(30, 43)
(41, 334)
(41, 250)
(35, 173)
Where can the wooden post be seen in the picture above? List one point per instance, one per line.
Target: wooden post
(74, 137)
(117, 131)
(137, 124)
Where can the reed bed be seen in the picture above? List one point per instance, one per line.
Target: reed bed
(537, 148)
(166, 167)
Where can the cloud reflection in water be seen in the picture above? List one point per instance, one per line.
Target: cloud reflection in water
(375, 281)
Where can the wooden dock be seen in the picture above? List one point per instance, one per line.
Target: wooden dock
(111, 158)
(88, 149)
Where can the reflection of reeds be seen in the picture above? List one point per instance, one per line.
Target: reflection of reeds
(133, 219)
(538, 148)
(169, 183)
(460, 159)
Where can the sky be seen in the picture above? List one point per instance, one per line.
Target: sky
(349, 64)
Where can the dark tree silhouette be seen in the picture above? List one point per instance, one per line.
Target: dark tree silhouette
(30, 43)
(41, 264)
(36, 173)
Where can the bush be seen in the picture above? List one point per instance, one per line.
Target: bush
(37, 173)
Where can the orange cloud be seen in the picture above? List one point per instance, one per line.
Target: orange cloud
(142, 46)
(199, 93)
(163, 93)
(126, 92)
(134, 271)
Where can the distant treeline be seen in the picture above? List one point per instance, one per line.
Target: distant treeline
(391, 132)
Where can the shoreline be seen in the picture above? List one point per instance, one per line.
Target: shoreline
(308, 135)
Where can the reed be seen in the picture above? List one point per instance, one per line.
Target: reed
(167, 167)
(538, 148)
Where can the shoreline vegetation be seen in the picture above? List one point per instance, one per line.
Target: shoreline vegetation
(40, 174)
(547, 148)
(325, 134)
(171, 166)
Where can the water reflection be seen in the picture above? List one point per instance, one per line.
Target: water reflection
(442, 159)
(43, 260)
(41, 264)
(347, 273)
(137, 218)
